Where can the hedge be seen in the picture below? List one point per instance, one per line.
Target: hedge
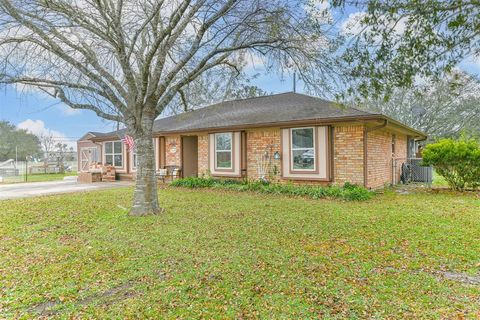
(348, 191)
(458, 161)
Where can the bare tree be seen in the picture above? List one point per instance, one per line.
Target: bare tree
(126, 60)
(440, 108)
(61, 150)
(47, 141)
(214, 86)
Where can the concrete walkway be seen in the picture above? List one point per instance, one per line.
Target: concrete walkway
(35, 189)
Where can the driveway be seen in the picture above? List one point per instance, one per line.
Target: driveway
(35, 189)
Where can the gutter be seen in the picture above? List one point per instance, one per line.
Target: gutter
(365, 149)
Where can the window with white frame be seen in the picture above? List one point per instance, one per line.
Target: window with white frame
(303, 153)
(113, 153)
(134, 160)
(223, 150)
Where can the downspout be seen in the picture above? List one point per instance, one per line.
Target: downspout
(365, 149)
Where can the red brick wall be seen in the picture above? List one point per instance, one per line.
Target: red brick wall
(259, 141)
(400, 155)
(348, 154)
(173, 151)
(381, 161)
(203, 154)
(379, 155)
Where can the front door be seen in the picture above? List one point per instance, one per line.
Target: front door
(190, 156)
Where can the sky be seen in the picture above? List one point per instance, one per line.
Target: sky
(40, 114)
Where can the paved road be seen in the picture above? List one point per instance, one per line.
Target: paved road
(35, 189)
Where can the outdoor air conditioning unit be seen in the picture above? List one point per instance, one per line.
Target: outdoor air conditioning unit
(419, 173)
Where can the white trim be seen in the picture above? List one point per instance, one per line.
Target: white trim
(134, 155)
(86, 157)
(235, 171)
(315, 156)
(322, 156)
(217, 150)
(113, 153)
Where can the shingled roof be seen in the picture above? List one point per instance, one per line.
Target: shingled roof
(265, 109)
(258, 111)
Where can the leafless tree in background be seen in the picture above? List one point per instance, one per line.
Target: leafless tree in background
(47, 141)
(126, 60)
(441, 108)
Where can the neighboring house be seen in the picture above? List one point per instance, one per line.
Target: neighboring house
(88, 151)
(283, 137)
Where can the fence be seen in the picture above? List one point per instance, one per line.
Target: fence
(412, 171)
(24, 171)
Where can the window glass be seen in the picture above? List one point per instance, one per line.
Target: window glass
(303, 149)
(223, 150)
(302, 138)
(135, 160)
(117, 160)
(118, 147)
(394, 140)
(109, 159)
(224, 159)
(113, 153)
(223, 141)
(108, 147)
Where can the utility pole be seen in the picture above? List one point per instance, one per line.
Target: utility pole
(294, 82)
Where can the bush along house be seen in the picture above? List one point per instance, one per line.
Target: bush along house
(280, 138)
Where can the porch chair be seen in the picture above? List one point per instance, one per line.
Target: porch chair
(169, 173)
(162, 174)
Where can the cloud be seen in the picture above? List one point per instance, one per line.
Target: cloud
(67, 111)
(352, 25)
(37, 127)
(319, 10)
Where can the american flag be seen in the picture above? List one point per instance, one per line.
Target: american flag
(129, 142)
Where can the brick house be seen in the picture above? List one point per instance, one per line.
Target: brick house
(282, 137)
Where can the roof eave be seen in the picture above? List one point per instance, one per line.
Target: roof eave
(356, 118)
(366, 117)
(418, 134)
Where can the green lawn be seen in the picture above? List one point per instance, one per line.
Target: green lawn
(40, 177)
(240, 255)
(439, 181)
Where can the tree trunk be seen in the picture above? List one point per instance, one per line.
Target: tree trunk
(145, 198)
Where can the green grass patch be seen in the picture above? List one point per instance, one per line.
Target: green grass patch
(39, 177)
(438, 180)
(218, 255)
(346, 192)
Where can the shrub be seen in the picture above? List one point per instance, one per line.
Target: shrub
(347, 192)
(458, 161)
(356, 193)
(193, 182)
